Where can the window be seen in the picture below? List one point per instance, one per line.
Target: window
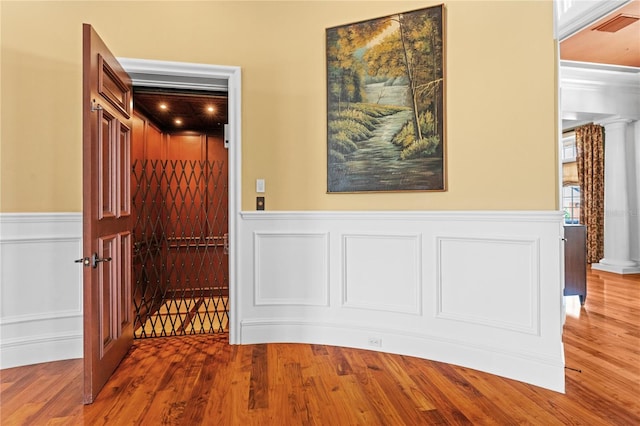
(571, 204)
(569, 147)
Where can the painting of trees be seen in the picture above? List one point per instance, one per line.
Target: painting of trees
(385, 114)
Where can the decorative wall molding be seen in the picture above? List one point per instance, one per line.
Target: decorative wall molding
(394, 259)
(291, 269)
(304, 278)
(589, 94)
(464, 293)
(433, 216)
(398, 282)
(40, 287)
(586, 76)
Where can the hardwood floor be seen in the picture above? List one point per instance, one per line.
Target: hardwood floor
(196, 380)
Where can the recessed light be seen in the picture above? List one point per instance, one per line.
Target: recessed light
(163, 106)
(178, 121)
(210, 109)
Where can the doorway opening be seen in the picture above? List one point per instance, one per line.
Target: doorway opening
(210, 79)
(179, 178)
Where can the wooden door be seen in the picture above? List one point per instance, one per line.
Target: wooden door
(107, 227)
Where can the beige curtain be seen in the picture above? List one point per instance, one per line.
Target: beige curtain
(590, 159)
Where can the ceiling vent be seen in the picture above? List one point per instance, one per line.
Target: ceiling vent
(617, 23)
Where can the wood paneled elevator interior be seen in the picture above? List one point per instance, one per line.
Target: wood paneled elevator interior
(180, 213)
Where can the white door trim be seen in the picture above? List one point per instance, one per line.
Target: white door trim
(182, 75)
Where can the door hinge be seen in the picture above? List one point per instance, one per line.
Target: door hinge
(95, 106)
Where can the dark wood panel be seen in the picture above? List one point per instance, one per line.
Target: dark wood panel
(116, 91)
(575, 261)
(203, 112)
(105, 209)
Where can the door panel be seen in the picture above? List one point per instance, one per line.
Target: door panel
(124, 171)
(111, 85)
(108, 312)
(125, 289)
(107, 162)
(107, 283)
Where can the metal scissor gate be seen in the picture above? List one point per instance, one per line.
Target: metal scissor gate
(180, 253)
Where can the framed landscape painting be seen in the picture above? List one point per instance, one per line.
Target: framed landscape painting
(385, 104)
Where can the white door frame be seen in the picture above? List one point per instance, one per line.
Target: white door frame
(182, 75)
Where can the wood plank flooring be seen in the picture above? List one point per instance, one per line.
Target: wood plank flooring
(196, 380)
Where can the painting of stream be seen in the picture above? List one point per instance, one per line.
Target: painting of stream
(385, 114)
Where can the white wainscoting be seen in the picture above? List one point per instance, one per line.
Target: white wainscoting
(40, 288)
(477, 289)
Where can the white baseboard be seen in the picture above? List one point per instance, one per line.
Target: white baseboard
(616, 269)
(40, 348)
(543, 371)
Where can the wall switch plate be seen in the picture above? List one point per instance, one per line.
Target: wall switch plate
(259, 185)
(259, 203)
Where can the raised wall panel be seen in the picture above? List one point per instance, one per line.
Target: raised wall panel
(291, 269)
(40, 288)
(477, 289)
(184, 147)
(27, 264)
(382, 272)
(489, 281)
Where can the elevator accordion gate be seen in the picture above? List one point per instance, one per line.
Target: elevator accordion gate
(180, 252)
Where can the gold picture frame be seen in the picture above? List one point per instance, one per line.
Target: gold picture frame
(385, 104)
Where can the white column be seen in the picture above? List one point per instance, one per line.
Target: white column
(635, 194)
(617, 209)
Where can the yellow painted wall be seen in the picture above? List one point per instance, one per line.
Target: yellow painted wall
(500, 96)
